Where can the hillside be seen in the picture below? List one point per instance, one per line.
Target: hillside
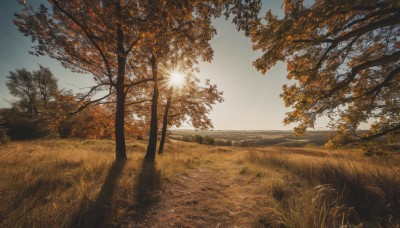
(74, 183)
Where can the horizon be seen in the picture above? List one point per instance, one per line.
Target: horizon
(251, 99)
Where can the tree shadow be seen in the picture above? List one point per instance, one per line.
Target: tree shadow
(99, 213)
(146, 196)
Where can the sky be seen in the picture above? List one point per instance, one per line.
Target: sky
(252, 100)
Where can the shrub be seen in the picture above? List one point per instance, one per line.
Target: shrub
(198, 139)
(209, 140)
(3, 136)
(187, 138)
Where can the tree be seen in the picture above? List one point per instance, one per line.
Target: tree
(177, 40)
(184, 37)
(46, 84)
(165, 120)
(94, 122)
(34, 89)
(106, 39)
(95, 37)
(344, 57)
(32, 114)
(191, 102)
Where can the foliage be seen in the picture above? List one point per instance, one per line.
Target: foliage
(19, 126)
(44, 110)
(94, 122)
(96, 37)
(4, 139)
(193, 103)
(208, 140)
(35, 89)
(33, 115)
(344, 58)
(122, 42)
(3, 131)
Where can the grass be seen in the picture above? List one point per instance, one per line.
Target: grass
(56, 183)
(332, 191)
(75, 183)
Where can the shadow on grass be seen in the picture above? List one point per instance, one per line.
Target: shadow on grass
(99, 213)
(146, 196)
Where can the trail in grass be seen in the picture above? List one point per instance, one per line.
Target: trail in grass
(214, 194)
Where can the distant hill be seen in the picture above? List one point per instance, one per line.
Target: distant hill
(258, 138)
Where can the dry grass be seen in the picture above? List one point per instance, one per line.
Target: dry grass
(62, 182)
(72, 183)
(316, 190)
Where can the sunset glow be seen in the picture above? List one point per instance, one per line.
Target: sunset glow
(176, 79)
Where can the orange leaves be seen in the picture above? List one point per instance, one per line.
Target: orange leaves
(95, 122)
(287, 6)
(290, 66)
(342, 55)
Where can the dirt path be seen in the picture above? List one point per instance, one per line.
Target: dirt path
(214, 194)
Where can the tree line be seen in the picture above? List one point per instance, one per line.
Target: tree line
(42, 109)
(129, 46)
(343, 56)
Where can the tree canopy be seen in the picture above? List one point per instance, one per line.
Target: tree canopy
(344, 57)
(34, 89)
(116, 41)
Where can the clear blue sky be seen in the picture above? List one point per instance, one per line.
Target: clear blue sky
(252, 100)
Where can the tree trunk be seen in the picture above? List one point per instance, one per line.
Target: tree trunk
(120, 151)
(165, 124)
(152, 145)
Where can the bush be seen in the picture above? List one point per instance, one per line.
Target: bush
(21, 126)
(209, 140)
(198, 139)
(187, 138)
(3, 137)
(376, 148)
(22, 129)
(223, 142)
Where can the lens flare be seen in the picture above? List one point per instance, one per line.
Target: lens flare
(176, 79)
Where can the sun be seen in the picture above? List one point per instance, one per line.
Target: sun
(176, 79)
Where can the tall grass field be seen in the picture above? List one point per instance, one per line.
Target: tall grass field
(75, 183)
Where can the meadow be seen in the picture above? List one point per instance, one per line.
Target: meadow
(75, 183)
(253, 138)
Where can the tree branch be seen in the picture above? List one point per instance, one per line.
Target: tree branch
(355, 70)
(90, 102)
(382, 133)
(88, 34)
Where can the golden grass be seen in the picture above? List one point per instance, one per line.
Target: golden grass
(321, 188)
(72, 183)
(55, 183)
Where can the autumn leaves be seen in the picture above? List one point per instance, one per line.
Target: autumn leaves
(128, 47)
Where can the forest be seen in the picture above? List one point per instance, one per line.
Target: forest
(117, 154)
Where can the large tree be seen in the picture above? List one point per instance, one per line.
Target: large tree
(105, 38)
(95, 37)
(180, 39)
(344, 57)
